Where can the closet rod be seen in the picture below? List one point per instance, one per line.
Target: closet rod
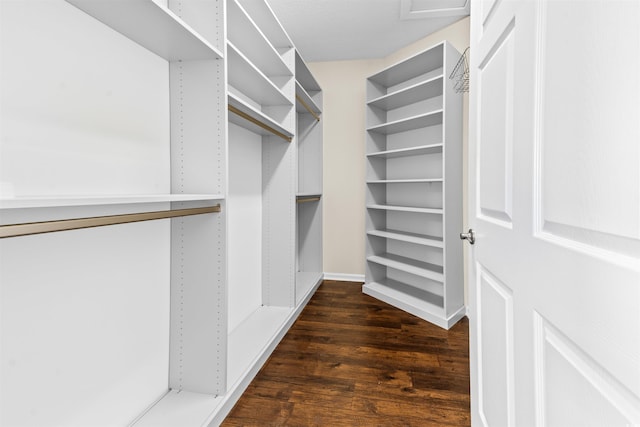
(304, 104)
(259, 123)
(26, 229)
(307, 199)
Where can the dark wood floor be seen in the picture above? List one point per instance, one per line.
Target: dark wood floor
(351, 360)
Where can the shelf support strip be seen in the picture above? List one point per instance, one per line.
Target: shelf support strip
(258, 123)
(26, 229)
(304, 104)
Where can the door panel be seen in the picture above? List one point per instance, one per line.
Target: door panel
(495, 171)
(495, 343)
(572, 389)
(554, 158)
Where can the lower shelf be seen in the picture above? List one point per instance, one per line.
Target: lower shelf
(409, 265)
(249, 347)
(306, 282)
(413, 301)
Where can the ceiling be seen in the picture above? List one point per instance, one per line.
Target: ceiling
(332, 30)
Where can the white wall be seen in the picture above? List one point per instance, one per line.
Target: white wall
(343, 85)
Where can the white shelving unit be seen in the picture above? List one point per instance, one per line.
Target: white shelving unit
(125, 308)
(309, 270)
(151, 246)
(414, 187)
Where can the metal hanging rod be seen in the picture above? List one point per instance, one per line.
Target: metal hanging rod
(26, 229)
(258, 123)
(305, 199)
(306, 106)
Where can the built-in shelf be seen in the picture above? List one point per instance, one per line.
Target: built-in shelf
(307, 282)
(305, 103)
(251, 41)
(405, 181)
(410, 95)
(411, 123)
(409, 265)
(404, 236)
(406, 209)
(152, 26)
(249, 117)
(414, 187)
(420, 64)
(245, 76)
(421, 303)
(66, 201)
(406, 152)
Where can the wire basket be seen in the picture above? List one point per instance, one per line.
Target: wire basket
(460, 73)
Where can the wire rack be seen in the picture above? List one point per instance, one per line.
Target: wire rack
(460, 73)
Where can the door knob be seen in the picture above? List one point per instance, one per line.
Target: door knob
(470, 236)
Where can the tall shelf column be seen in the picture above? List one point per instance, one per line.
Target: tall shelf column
(414, 187)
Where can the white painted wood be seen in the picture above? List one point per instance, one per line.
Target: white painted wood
(405, 209)
(246, 108)
(554, 202)
(418, 239)
(411, 151)
(414, 187)
(245, 224)
(267, 21)
(419, 268)
(411, 123)
(141, 199)
(248, 39)
(153, 26)
(93, 356)
(181, 408)
(245, 76)
(344, 277)
(410, 95)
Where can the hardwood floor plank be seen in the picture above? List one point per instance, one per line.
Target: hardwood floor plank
(351, 360)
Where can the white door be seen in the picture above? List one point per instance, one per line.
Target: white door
(554, 187)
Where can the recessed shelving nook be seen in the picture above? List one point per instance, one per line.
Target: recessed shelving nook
(149, 230)
(414, 187)
(309, 183)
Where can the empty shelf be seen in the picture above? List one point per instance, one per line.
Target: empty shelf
(411, 123)
(405, 181)
(68, 201)
(406, 209)
(305, 103)
(411, 151)
(152, 26)
(246, 36)
(254, 83)
(419, 303)
(409, 265)
(419, 64)
(419, 239)
(250, 118)
(410, 95)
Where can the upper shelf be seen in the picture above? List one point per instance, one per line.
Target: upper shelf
(412, 94)
(251, 41)
(304, 76)
(410, 123)
(75, 201)
(248, 117)
(268, 23)
(305, 103)
(407, 69)
(152, 26)
(244, 74)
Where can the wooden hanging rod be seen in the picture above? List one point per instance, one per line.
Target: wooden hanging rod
(305, 199)
(305, 105)
(258, 123)
(26, 229)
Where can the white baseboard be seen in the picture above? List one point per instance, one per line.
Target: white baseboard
(344, 277)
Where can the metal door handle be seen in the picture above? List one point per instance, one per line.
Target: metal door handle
(470, 236)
